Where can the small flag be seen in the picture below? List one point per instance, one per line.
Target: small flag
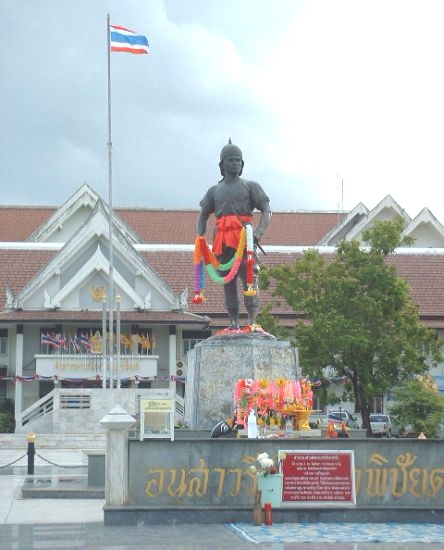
(86, 342)
(125, 40)
(75, 344)
(50, 340)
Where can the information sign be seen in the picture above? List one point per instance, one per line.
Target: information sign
(156, 418)
(318, 478)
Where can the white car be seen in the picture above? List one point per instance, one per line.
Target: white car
(382, 425)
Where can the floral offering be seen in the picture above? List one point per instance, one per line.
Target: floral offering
(273, 400)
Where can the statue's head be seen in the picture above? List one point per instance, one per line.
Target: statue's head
(229, 150)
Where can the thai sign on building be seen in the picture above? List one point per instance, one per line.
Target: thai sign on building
(90, 365)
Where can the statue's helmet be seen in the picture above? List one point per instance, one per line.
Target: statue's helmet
(227, 151)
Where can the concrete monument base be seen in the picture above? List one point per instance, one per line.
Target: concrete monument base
(216, 363)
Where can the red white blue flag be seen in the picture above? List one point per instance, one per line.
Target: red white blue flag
(126, 40)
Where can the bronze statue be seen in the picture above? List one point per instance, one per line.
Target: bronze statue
(233, 201)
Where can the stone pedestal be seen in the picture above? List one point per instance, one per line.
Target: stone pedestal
(215, 364)
(117, 422)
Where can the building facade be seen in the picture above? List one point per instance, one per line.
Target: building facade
(54, 291)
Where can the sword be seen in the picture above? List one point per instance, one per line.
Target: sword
(256, 243)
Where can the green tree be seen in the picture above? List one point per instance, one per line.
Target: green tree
(355, 315)
(419, 403)
(7, 421)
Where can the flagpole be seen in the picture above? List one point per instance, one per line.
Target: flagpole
(110, 216)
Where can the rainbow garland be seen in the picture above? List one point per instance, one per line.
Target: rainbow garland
(204, 257)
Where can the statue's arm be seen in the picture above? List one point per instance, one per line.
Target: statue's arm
(201, 225)
(261, 202)
(264, 221)
(206, 209)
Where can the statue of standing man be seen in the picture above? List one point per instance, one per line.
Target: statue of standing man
(233, 201)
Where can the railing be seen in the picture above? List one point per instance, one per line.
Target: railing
(37, 410)
(66, 400)
(180, 405)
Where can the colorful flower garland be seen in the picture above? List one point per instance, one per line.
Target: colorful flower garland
(204, 257)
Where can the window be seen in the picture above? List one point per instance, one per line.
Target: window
(4, 342)
(192, 337)
(378, 405)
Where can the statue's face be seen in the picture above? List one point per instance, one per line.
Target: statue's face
(232, 165)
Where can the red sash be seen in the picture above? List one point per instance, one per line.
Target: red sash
(228, 232)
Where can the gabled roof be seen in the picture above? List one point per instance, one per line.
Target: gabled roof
(361, 219)
(426, 230)
(64, 222)
(342, 229)
(42, 288)
(387, 209)
(53, 228)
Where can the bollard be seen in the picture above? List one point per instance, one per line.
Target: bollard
(31, 453)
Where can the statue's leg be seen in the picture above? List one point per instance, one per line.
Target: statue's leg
(230, 291)
(232, 303)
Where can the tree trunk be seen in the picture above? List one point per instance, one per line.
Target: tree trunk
(363, 406)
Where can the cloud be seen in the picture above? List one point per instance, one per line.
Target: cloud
(316, 93)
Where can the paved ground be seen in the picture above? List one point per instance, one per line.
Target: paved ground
(78, 523)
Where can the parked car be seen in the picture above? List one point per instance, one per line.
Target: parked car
(382, 425)
(343, 416)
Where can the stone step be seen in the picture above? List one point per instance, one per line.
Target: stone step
(55, 441)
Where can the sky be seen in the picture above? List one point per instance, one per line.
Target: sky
(333, 102)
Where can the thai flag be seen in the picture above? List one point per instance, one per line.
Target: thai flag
(46, 339)
(75, 344)
(126, 40)
(85, 341)
(50, 340)
(62, 341)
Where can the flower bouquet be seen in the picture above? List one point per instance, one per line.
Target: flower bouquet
(266, 465)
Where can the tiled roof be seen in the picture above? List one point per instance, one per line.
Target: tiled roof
(18, 222)
(58, 316)
(19, 267)
(422, 271)
(176, 226)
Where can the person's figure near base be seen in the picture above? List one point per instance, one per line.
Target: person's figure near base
(233, 201)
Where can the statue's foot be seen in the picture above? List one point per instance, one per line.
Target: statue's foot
(232, 329)
(254, 327)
